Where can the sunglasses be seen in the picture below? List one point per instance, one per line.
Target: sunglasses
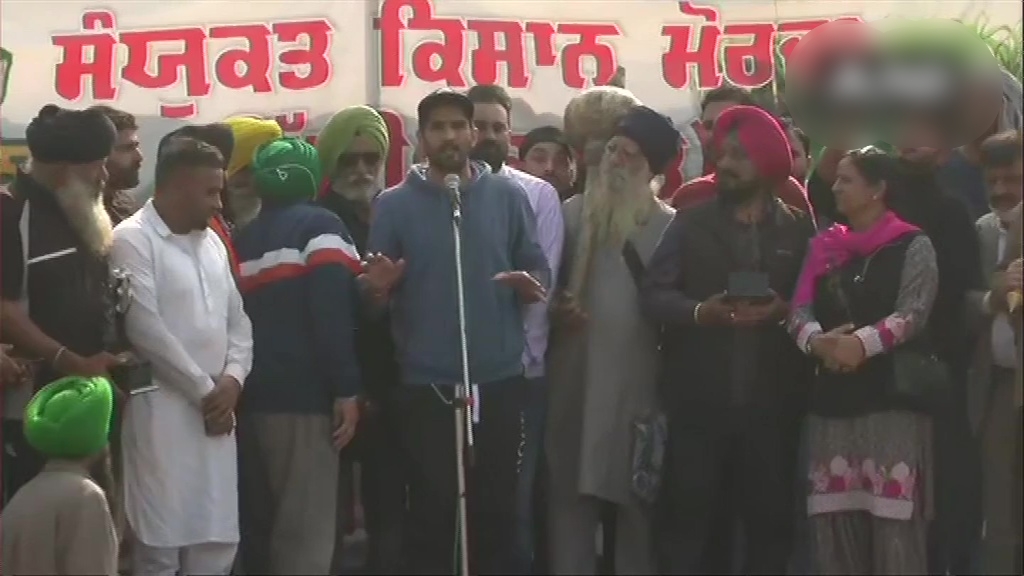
(870, 150)
(351, 159)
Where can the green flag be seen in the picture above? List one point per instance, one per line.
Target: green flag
(6, 61)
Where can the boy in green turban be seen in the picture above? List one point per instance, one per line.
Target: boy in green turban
(60, 522)
(298, 280)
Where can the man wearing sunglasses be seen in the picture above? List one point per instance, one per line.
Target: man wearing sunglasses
(353, 150)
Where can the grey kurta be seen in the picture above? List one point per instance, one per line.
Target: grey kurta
(601, 376)
(59, 523)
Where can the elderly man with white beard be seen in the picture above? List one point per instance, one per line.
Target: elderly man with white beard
(603, 352)
(56, 236)
(353, 149)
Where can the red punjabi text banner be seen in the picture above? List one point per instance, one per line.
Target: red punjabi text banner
(302, 62)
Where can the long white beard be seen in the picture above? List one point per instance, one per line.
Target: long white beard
(82, 204)
(616, 201)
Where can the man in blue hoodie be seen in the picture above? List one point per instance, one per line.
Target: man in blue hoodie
(298, 408)
(412, 266)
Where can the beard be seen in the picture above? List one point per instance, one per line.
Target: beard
(616, 201)
(361, 191)
(490, 151)
(82, 204)
(448, 158)
(735, 192)
(122, 177)
(242, 206)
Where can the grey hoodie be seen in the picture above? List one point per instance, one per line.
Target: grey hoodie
(414, 221)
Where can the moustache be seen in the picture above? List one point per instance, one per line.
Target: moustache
(361, 181)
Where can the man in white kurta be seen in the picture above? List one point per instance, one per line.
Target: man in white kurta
(186, 318)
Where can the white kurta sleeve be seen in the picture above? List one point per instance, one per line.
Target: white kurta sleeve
(145, 328)
(239, 361)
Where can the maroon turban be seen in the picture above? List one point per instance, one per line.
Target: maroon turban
(761, 136)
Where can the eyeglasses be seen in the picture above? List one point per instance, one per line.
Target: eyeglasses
(351, 159)
(870, 150)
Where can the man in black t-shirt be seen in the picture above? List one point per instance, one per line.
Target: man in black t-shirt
(56, 233)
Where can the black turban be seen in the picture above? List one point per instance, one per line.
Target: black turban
(657, 137)
(540, 136)
(59, 135)
(218, 135)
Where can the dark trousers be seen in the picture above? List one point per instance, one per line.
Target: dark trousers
(255, 511)
(540, 510)
(382, 490)
(426, 417)
(739, 470)
(955, 530)
(1018, 505)
(534, 413)
(609, 527)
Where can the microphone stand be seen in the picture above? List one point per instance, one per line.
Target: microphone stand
(463, 402)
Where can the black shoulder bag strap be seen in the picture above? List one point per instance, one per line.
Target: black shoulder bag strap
(634, 263)
(636, 269)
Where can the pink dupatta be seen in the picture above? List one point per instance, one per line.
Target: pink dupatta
(836, 246)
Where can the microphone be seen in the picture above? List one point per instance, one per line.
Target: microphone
(451, 182)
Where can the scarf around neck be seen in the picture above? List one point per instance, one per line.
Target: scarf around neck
(833, 248)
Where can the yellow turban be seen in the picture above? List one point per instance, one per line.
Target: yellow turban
(342, 128)
(250, 133)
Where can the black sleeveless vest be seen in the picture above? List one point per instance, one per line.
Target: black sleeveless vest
(863, 292)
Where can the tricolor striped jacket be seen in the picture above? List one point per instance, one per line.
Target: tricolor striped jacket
(297, 275)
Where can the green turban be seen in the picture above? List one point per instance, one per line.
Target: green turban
(286, 169)
(70, 418)
(336, 137)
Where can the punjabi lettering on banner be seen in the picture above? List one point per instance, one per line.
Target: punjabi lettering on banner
(170, 63)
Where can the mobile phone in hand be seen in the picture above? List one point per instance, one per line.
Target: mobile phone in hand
(748, 286)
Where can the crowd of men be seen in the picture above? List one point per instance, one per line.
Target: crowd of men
(300, 324)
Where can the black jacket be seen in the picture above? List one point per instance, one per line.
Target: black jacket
(692, 263)
(374, 344)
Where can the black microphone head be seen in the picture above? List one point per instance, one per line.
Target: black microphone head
(452, 180)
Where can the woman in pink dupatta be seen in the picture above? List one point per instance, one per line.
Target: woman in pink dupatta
(866, 291)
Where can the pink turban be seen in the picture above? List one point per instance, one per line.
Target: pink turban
(761, 136)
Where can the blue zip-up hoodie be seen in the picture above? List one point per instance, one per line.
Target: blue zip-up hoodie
(297, 279)
(414, 221)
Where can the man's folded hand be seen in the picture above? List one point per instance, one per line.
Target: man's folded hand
(219, 426)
